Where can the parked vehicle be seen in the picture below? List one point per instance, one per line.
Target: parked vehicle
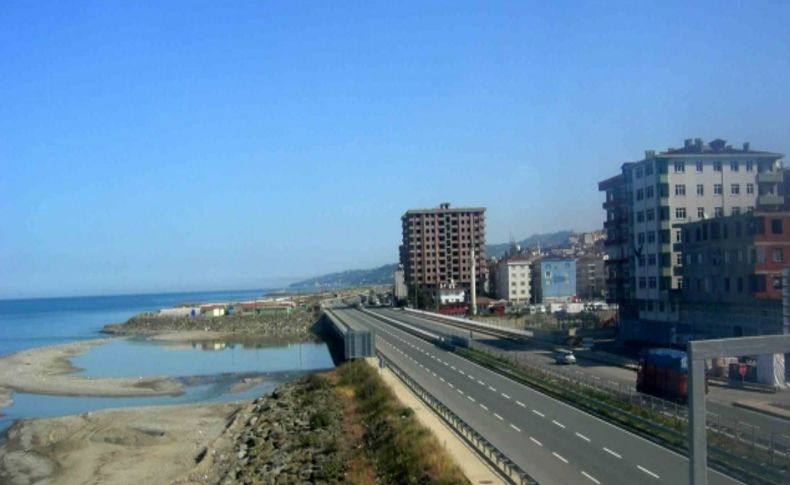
(664, 373)
(564, 357)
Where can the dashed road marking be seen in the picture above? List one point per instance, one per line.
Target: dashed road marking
(515, 427)
(558, 424)
(647, 471)
(483, 406)
(538, 413)
(559, 457)
(505, 396)
(591, 478)
(460, 392)
(521, 404)
(471, 398)
(612, 453)
(583, 437)
(451, 385)
(536, 441)
(492, 389)
(481, 382)
(499, 417)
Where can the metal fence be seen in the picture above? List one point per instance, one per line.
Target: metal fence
(734, 442)
(488, 451)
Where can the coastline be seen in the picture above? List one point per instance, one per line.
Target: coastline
(47, 370)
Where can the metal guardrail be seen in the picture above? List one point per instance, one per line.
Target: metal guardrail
(484, 448)
(757, 445)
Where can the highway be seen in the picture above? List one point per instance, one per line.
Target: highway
(625, 378)
(552, 441)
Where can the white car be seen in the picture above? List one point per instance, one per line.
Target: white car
(564, 357)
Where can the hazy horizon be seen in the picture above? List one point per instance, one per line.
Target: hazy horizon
(193, 145)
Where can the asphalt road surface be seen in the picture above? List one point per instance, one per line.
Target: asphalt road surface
(552, 441)
(747, 420)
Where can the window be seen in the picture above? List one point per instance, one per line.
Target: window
(651, 259)
(680, 167)
(777, 255)
(776, 226)
(717, 166)
(735, 189)
(642, 283)
(734, 166)
(640, 194)
(680, 189)
(749, 166)
(642, 260)
(678, 236)
(649, 169)
(653, 282)
(649, 192)
(736, 211)
(700, 189)
(651, 214)
(699, 166)
(663, 213)
(680, 213)
(640, 238)
(717, 189)
(678, 258)
(718, 212)
(639, 172)
(640, 216)
(651, 236)
(750, 188)
(701, 212)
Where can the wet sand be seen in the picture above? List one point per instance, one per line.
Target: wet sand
(47, 370)
(162, 444)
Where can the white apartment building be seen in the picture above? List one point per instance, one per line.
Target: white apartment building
(513, 279)
(698, 181)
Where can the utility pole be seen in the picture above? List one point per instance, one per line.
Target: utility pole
(474, 282)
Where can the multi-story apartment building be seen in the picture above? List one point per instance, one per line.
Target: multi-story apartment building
(513, 279)
(553, 280)
(650, 199)
(591, 276)
(732, 267)
(617, 245)
(437, 247)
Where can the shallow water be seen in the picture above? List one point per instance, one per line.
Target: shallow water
(220, 366)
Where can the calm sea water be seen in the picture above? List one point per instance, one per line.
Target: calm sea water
(32, 323)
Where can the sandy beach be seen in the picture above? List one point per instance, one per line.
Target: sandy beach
(47, 370)
(140, 445)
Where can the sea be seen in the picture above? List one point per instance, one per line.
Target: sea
(210, 371)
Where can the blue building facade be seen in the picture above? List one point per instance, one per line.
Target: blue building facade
(557, 280)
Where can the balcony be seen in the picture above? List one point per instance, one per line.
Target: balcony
(764, 200)
(770, 177)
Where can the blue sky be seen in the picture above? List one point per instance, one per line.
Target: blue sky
(151, 146)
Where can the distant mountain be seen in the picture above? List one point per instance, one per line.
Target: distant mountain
(553, 239)
(382, 275)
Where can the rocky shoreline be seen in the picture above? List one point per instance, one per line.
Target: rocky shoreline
(300, 325)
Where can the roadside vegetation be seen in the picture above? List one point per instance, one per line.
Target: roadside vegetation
(401, 448)
(343, 426)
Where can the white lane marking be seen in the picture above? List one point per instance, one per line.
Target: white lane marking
(498, 417)
(559, 457)
(591, 478)
(558, 424)
(612, 453)
(470, 377)
(647, 471)
(445, 363)
(481, 382)
(433, 373)
(471, 398)
(538, 413)
(461, 372)
(441, 379)
(492, 389)
(460, 392)
(583, 437)
(505, 396)
(536, 441)
(483, 406)
(521, 404)
(451, 385)
(452, 367)
(515, 427)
